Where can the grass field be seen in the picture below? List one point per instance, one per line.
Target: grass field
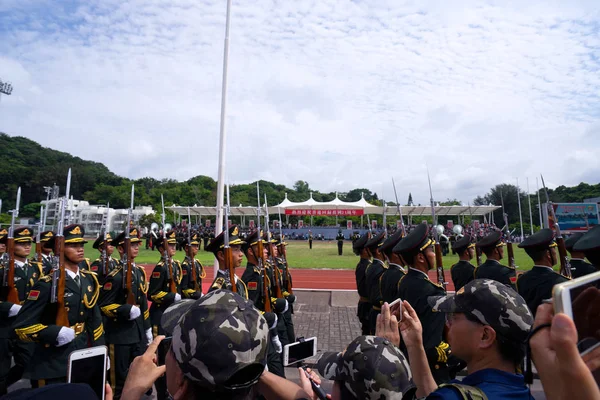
(323, 255)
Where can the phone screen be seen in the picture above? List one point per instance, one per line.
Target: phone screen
(585, 303)
(89, 370)
(301, 350)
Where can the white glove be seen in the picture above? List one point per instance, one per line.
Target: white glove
(65, 335)
(134, 313)
(149, 337)
(274, 326)
(177, 297)
(107, 363)
(14, 310)
(287, 306)
(275, 341)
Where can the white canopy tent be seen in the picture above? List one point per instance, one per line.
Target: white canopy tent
(337, 204)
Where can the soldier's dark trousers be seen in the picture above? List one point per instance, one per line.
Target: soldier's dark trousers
(373, 320)
(310, 244)
(21, 352)
(340, 246)
(121, 356)
(274, 361)
(362, 312)
(289, 324)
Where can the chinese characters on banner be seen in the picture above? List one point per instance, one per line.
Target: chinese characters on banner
(326, 213)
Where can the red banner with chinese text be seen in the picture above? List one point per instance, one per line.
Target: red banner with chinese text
(326, 213)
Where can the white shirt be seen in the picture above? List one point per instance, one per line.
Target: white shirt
(414, 269)
(73, 274)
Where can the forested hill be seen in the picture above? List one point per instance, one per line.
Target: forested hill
(25, 163)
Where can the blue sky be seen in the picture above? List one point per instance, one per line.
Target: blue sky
(340, 94)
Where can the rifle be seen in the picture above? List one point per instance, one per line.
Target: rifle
(385, 234)
(103, 231)
(565, 265)
(190, 253)
(399, 210)
(167, 259)
(38, 242)
(286, 282)
(260, 257)
(438, 248)
(59, 274)
(474, 235)
(227, 251)
(12, 295)
(509, 245)
(278, 292)
(128, 275)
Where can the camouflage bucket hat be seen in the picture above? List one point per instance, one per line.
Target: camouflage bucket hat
(219, 340)
(371, 368)
(491, 303)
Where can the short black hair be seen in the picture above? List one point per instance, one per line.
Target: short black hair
(488, 251)
(536, 254)
(510, 350)
(409, 258)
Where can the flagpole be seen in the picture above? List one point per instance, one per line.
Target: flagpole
(520, 213)
(530, 214)
(222, 135)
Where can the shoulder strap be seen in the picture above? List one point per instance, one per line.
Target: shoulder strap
(467, 392)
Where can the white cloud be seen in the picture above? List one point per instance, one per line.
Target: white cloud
(341, 94)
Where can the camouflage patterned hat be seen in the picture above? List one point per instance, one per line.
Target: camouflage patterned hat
(491, 303)
(370, 368)
(217, 337)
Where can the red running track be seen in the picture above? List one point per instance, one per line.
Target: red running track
(324, 279)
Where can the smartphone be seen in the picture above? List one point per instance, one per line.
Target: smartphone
(298, 351)
(393, 305)
(89, 366)
(580, 300)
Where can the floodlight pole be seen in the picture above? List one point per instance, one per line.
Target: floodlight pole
(222, 135)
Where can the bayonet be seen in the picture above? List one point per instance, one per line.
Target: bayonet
(399, 210)
(565, 265)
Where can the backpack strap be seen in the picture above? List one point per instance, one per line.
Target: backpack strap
(467, 392)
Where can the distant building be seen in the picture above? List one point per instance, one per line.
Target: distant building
(90, 216)
(592, 200)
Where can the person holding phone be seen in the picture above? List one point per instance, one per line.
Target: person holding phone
(128, 329)
(536, 284)
(36, 321)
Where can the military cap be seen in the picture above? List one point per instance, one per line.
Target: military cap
(3, 233)
(491, 303)
(266, 239)
(280, 240)
(376, 240)
(23, 234)
(195, 240)
(589, 242)
(574, 238)
(251, 240)
(46, 235)
(493, 239)
(370, 368)
(462, 244)
(416, 241)
(133, 237)
(100, 241)
(220, 341)
(360, 243)
(72, 233)
(218, 243)
(392, 240)
(541, 240)
(171, 238)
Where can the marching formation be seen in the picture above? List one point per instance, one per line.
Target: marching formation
(58, 302)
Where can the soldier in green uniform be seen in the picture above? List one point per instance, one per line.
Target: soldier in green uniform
(536, 284)
(287, 288)
(463, 271)
(27, 273)
(98, 264)
(310, 239)
(223, 279)
(191, 281)
(127, 326)
(159, 292)
(164, 290)
(388, 282)
(589, 244)
(37, 320)
(364, 305)
(46, 251)
(493, 248)
(579, 267)
(252, 276)
(372, 275)
(205, 238)
(340, 242)
(415, 287)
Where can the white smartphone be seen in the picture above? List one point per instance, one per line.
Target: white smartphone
(580, 300)
(399, 302)
(298, 351)
(89, 366)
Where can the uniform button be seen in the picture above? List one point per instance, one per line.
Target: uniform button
(81, 313)
(437, 366)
